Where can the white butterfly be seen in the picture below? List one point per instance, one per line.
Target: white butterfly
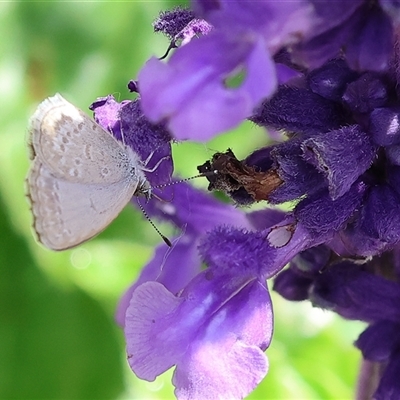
(81, 177)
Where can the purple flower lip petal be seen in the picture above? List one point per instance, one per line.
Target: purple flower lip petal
(191, 93)
(228, 351)
(162, 268)
(160, 327)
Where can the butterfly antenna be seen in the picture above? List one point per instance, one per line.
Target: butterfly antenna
(166, 240)
(202, 175)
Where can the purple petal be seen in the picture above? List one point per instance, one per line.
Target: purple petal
(372, 42)
(154, 341)
(162, 269)
(147, 140)
(227, 358)
(190, 92)
(193, 210)
(106, 113)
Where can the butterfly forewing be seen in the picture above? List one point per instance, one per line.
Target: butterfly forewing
(76, 148)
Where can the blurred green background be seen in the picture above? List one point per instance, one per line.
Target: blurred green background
(58, 339)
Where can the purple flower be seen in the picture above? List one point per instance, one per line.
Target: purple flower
(191, 92)
(223, 313)
(327, 75)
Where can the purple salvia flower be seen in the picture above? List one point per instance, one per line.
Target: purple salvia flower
(192, 94)
(224, 313)
(340, 167)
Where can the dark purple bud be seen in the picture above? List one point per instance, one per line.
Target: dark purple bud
(379, 340)
(299, 110)
(171, 22)
(321, 215)
(312, 260)
(341, 155)
(350, 291)
(133, 86)
(331, 79)
(292, 286)
(393, 154)
(385, 126)
(372, 43)
(365, 94)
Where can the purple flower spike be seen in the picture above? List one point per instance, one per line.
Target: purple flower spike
(190, 92)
